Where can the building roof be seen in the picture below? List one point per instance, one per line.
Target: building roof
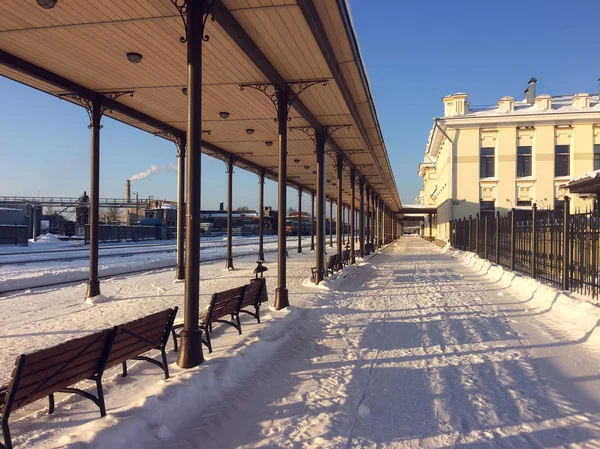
(560, 104)
(81, 46)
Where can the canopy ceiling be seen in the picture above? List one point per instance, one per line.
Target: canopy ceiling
(83, 44)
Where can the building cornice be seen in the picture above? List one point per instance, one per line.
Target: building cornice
(555, 118)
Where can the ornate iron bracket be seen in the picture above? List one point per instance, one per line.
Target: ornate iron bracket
(182, 7)
(308, 130)
(89, 104)
(293, 89)
(331, 129)
(178, 140)
(349, 153)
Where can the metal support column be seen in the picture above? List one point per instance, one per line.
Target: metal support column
(352, 214)
(261, 227)
(513, 235)
(367, 236)
(299, 220)
(180, 273)
(281, 292)
(331, 222)
(190, 351)
(312, 221)
(430, 226)
(533, 240)
(93, 288)
(373, 213)
(340, 205)
(229, 259)
(321, 209)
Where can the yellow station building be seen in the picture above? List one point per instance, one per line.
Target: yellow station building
(508, 155)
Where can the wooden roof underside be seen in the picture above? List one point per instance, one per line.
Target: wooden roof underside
(251, 41)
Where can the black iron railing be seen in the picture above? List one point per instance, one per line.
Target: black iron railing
(554, 246)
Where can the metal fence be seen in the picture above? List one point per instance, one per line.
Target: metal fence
(14, 234)
(117, 233)
(553, 246)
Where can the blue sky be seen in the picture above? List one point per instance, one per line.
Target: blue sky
(415, 53)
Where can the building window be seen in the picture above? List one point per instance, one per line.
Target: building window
(487, 163)
(596, 157)
(561, 160)
(523, 162)
(524, 203)
(486, 208)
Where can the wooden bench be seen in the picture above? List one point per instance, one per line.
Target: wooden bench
(229, 303)
(137, 337)
(254, 296)
(55, 370)
(345, 258)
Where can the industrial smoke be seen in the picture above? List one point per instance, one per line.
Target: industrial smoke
(153, 169)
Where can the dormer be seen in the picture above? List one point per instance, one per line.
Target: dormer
(581, 100)
(506, 104)
(543, 102)
(455, 104)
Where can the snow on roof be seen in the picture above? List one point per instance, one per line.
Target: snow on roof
(560, 103)
(588, 176)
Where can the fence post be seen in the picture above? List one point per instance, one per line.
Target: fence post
(513, 238)
(485, 237)
(477, 234)
(497, 237)
(566, 240)
(533, 240)
(470, 232)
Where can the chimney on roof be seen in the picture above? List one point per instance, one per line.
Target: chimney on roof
(599, 88)
(530, 91)
(221, 208)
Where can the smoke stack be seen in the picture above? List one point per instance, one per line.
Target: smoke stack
(530, 93)
(128, 191)
(221, 207)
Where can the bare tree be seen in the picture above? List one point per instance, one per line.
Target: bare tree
(111, 215)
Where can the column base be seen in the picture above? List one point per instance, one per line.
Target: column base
(229, 264)
(281, 298)
(180, 273)
(261, 255)
(190, 349)
(93, 289)
(299, 250)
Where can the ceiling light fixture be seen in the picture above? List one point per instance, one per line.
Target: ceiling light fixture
(306, 167)
(224, 114)
(269, 143)
(47, 4)
(296, 161)
(249, 131)
(134, 57)
(184, 91)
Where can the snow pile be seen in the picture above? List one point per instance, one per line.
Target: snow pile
(572, 313)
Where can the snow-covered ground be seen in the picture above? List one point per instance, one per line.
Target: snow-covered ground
(51, 261)
(414, 348)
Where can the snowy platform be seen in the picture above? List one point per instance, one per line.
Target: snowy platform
(415, 348)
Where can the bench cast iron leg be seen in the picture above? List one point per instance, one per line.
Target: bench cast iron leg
(174, 340)
(51, 404)
(100, 397)
(237, 318)
(124, 369)
(163, 353)
(6, 434)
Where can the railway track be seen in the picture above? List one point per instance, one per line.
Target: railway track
(14, 258)
(84, 276)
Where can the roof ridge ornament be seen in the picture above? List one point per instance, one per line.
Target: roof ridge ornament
(182, 6)
(293, 88)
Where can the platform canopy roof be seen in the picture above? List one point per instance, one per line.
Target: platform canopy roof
(81, 46)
